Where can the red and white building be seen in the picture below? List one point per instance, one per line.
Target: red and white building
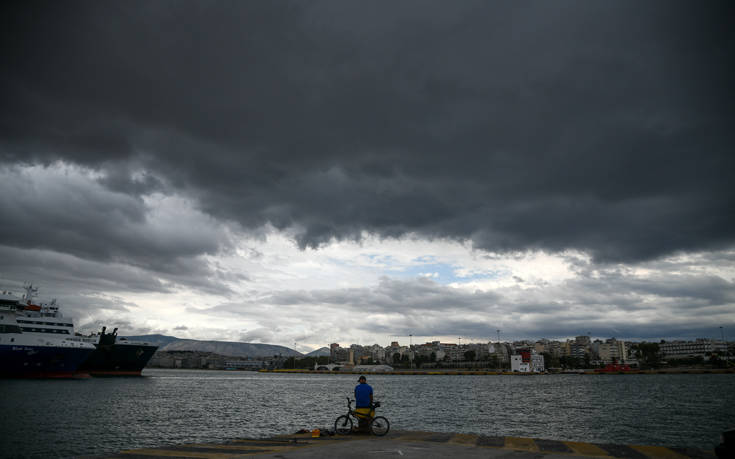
(527, 362)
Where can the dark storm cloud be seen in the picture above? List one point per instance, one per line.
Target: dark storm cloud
(48, 209)
(66, 275)
(599, 126)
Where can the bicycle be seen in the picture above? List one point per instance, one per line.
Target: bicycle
(378, 426)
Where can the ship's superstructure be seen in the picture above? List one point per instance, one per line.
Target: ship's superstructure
(51, 354)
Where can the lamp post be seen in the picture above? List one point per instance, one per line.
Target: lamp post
(410, 350)
(497, 353)
(724, 343)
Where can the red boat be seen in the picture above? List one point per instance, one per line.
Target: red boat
(614, 368)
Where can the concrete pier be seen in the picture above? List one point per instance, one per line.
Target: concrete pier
(410, 444)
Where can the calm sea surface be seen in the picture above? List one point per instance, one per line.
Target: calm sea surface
(81, 417)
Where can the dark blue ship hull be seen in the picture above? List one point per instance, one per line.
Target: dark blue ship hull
(20, 361)
(118, 359)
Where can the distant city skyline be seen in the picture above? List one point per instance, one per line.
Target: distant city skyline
(418, 341)
(448, 341)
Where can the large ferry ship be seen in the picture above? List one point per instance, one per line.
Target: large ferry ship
(30, 355)
(109, 355)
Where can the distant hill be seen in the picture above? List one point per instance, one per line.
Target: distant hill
(228, 348)
(321, 352)
(233, 349)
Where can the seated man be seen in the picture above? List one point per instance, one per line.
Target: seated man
(364, 403)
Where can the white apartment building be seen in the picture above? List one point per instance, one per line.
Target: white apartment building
(453, 351)
(698, 348)
(527, 362)
(612, 350)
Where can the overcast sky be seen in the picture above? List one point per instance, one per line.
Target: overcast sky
(301, 173)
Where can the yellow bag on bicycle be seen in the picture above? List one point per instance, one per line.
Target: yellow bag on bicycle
(365, 413)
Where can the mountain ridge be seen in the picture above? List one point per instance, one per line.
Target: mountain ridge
(321, 352)
(230, 348)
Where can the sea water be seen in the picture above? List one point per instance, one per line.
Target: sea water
(47, 418)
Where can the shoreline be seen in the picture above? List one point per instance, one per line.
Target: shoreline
(505, 373)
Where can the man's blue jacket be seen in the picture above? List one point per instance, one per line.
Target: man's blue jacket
(363, 391)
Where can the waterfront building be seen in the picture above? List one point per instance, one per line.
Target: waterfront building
(376, 352)
(360, 353)
(333, 352)
(702, 347)
(187, 360)
(338, 354)
(392, 350)
(611, 351)
(500, 351)
(480, 350)
(537, 363)
(577, 349)
(554, 348)
(527, 361)
(244, 364)
(425, 350)
(453, 352)
(565, 349)
(518, 365)
(629, 350)
(595, 349)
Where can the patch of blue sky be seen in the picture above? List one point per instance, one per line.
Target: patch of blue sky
(440, 272)
(444, 273)
(423, 266)
(427, 259)
(381, 259)
(488, 274)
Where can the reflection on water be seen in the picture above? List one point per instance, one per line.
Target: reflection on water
(68, 418)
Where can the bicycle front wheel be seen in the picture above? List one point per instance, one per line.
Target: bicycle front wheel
(343, 425)
(379, 426)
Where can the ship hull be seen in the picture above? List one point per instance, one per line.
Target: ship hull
(21, 361)
(118, 359)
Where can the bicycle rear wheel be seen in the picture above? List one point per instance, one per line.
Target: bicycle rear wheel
(379, 426)
(343, 425)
